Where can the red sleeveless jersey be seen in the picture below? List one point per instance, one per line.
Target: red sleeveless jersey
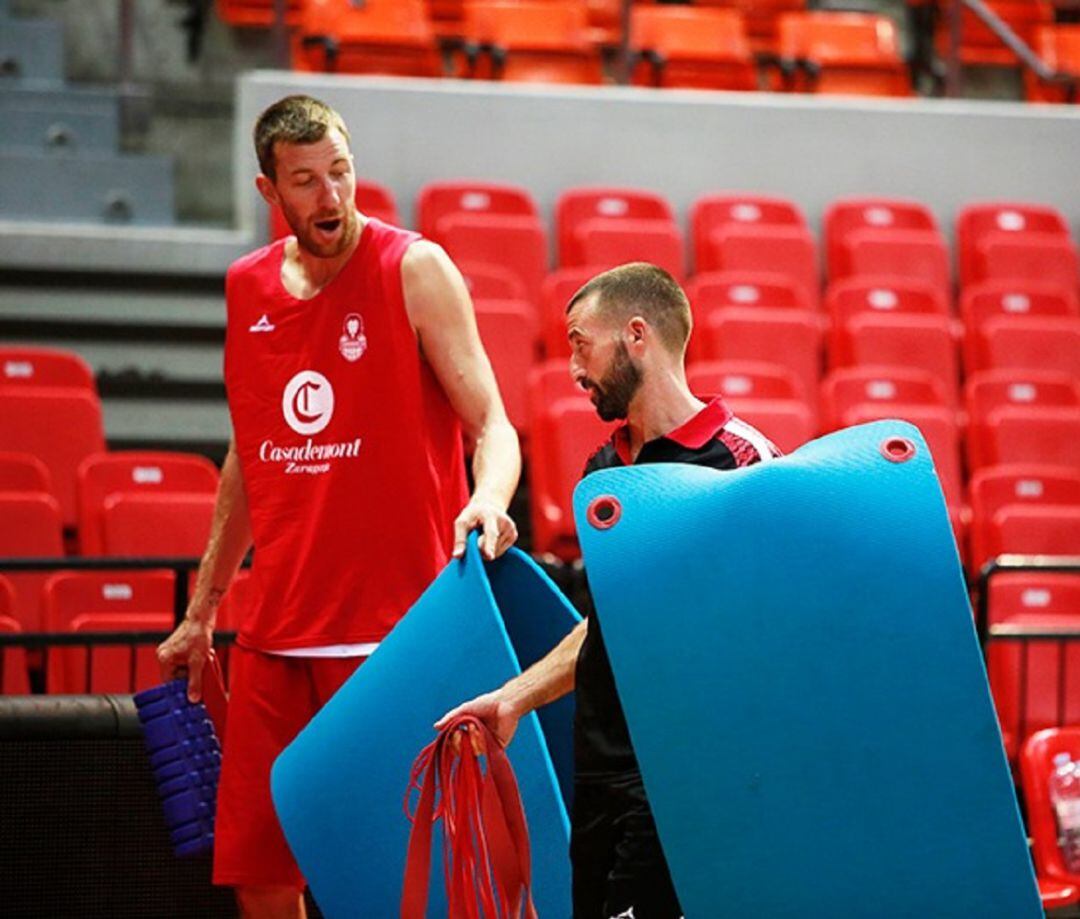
(351, 453)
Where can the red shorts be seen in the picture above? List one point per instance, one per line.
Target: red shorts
(272, 698)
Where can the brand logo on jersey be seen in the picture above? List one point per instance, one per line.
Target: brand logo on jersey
(353, 341)
(308, 402)
(263, 325)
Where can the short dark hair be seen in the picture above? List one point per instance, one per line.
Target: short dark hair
(293, 120)
(645, 290)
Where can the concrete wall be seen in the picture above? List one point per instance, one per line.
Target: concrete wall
(684, 144)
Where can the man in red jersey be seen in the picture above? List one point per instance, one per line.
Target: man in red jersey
(353, 366)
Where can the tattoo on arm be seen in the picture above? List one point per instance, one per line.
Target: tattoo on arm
(214, 598)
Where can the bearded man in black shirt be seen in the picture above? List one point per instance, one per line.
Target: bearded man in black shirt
(628, 330)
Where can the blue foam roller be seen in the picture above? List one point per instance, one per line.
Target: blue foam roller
(794, 650)
(339, 787)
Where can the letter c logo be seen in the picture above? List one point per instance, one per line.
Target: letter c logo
(308, 402)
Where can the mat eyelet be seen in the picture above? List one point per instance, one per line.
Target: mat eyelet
(897, 449)
(604, 512)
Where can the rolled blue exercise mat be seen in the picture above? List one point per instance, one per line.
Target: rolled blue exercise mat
(185, 756)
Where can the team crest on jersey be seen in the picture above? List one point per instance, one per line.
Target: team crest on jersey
(353, 341)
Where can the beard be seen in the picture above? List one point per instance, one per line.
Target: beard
(617, 387)
(309, 237)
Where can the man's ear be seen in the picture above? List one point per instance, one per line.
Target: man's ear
(637, 330)
(267, 190)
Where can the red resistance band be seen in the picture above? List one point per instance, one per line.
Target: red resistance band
(485, 839)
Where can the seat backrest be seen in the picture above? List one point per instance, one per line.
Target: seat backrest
(993, 389)
(23, 472)
(372, 21)
(550, 382)
(990, 299)
(1059, 47)
(14, 679)
(577, 205)
(975, 221)
(1045, 257)
(717, 290)
(886, 386)
(918, 255)
(61, 427)
(372, 199)
(559, 286)
(119, 668)
(69, 594)
(849, 296)
(1034, 435)
(848, 214)
(529, 24)
(22, 365)
(159, 524)
(508, 331)
(135, 472)
(786, 423)
(603, 243)
(689, 32)
(787, 250)
(1024, 343)
(839, 38)
(516, 243)
(1036, 765)
(743, 380)
(437, 200)
(488, 281)
(30, 526)
(714, 212)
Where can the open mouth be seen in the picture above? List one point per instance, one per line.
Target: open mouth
(328, 226)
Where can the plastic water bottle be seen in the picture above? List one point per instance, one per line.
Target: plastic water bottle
(1065, 797)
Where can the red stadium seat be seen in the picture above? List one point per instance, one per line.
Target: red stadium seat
(508, 331)
(743, 380)
(1059, 48)
(979, 46)
(1036, 766)
(30, 527)
(1033, 435)
(14, 679)
(892, 388)
(159, 524)
(991, 299)
(1057, 894)
(438, 200)
(605, 242)
(790, 338)
(529, 41)
(22, 365)
(23, 472)
(372, 199)
(378, 36)
(914, 255)
(850, 297)
(135, 473)
(844, 217)
(105, 601)
(1033, 529)
(517, 244)
(938, 428)
(788, 423)
(487, 281)
(976, 221)
(716, 213)
(256, 13)
(61, 427)
(719, 290)
(987, 392)
(1028, 257)
(578, 205)
(564, 438)
(923, 342)
(550, 382)
(996, 488)
(559, 287)
(762, 19)
(1025, 343)
(692, 47)
(847, 53)
(783, 250)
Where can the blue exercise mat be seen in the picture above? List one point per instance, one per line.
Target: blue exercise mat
(339, 787)
(794, 650)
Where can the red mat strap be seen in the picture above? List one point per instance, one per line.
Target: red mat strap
(486, 866)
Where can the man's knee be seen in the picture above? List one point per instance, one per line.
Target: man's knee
(270, 903)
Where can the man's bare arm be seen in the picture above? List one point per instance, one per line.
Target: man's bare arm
(550, 678)
(441, 311)
(230, 538)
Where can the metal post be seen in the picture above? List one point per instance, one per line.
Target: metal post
(125, 60)
(954, 79)
(624, 68)
(281, 34)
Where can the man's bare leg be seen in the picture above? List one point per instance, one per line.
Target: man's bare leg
(271, 903)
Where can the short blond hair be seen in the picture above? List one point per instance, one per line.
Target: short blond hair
(293, 120)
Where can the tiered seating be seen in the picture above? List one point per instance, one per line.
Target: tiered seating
(437, 201)
(691, 47)
(603, 227)
(371, 198)
(103, 602)
(546, 41)
(1059, 48)
(378, 36)
(848, 53)
(35, 367)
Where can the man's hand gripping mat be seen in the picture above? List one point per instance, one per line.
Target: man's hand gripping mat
(794, 650)
(339, 787)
